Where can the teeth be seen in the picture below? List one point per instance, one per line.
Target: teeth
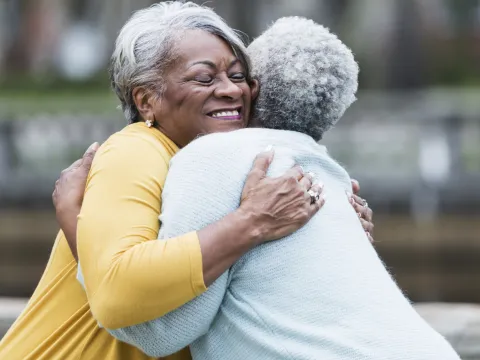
(225, 113)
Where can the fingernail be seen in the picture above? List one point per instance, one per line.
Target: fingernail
(269, 148)
(349, 194)
(359, 215)
(351, 201)
(92, 147)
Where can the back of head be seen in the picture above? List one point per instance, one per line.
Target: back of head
(308, 77)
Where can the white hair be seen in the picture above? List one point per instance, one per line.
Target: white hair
(308, 77)
(145, 47)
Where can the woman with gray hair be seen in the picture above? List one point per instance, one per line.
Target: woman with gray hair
(319, 293)
(179, 72)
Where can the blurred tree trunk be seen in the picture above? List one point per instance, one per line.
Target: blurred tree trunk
(407, 57)
(37, 26)
(246, 16)
(112, 15)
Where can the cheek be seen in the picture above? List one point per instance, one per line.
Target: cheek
(247, 100)
(196, 97)
(247, 94)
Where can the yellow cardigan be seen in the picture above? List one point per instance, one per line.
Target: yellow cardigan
(130, 277)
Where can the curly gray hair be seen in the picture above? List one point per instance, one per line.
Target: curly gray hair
(145, 47)
(308, 77)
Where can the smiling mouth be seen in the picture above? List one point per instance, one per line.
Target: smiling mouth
(234, 114)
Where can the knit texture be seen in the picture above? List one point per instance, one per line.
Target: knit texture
(320, 293)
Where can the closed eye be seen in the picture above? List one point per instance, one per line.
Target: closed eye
(238, 76)
(204, 79)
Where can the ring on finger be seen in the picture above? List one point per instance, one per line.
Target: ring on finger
(364, 203)
(314, 196)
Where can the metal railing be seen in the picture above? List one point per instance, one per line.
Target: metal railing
(403, 148)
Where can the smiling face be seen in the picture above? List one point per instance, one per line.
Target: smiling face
(206, 90)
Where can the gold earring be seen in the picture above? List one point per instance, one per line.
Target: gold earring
(149, 123)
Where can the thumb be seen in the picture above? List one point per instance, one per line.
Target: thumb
(260, 167)
(355, 186)
(89, 155)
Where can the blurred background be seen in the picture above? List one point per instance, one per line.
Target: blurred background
(412, 139)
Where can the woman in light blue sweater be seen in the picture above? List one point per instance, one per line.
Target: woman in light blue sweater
(323, 293)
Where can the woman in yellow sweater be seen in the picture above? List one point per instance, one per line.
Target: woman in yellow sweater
(179, 72)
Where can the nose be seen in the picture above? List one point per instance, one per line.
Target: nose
(228, 89)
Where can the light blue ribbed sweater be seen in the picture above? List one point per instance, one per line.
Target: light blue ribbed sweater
(320, 293)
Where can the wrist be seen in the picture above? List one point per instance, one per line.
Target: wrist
(67, 219)
(248, 226)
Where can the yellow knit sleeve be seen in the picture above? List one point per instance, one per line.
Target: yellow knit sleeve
(131, 277)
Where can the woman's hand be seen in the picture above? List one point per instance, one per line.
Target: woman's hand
(278, 206)
(68, 195)
(362, 209)
(270, 209)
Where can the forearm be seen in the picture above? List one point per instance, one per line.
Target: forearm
(158, 275)
(179, 328)
(162, 275)
(224, 242)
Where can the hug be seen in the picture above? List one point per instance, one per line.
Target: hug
(214, 226)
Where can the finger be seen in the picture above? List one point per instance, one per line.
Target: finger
(89, 155)
(369, 216)
(370, 238)
(317, 205)
(355, 186)
(316, 189)
(75, 165)
(364, 211)
(94, 147)
(307, 180)
(260, 167)
(296, 173)
(358, 200)
(367, 226)
(361, 210)
(367, 213)
(359, 205)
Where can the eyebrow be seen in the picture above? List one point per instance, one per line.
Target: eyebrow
(212, 64)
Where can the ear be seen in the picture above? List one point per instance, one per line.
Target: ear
(144, 101)
(255, 87)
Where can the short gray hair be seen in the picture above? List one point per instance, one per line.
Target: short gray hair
(145, 47)
(308, 77)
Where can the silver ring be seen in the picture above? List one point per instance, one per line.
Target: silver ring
(365, 203)
(314, 196)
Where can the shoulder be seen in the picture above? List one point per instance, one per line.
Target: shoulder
(137, 143)
(225, 142)
(134, 151)
(332, 167)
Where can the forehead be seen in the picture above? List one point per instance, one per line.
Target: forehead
(198, 45)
